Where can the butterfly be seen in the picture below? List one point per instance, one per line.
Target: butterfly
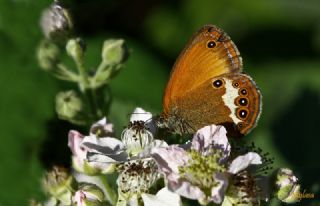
(207, 86)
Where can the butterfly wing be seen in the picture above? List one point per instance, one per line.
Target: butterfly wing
(209, 53)
(235, 103)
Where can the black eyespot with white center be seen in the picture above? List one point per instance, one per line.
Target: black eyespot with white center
(235, 84)
(243, 92)
(243, 113)
(217, 83)
(243, 101)
(211, 44)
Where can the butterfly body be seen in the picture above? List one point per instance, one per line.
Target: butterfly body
(207, 86)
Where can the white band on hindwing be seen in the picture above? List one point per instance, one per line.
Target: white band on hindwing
(228, 99)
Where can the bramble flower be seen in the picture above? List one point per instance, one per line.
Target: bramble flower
(136, 178)
(88, 195)
(79, 157)
(202, 171)
(137, 170)
(136, 142)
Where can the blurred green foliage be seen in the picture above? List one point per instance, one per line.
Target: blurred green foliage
(279, 41)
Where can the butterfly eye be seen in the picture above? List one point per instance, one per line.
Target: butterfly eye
(217, 83)
(243, 92)
(243, 101)
(211, 44)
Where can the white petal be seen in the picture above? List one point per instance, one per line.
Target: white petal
(243, 161)
(96, 180)
(140, 114)
(163, 198)
(227, 202)
(169, 158)
(209, 137)
(51, 202)
(147, 150)
(185, 189)
(218, 192)
(106, 159)
(105, 145)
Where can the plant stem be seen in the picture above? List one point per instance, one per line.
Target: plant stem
(111, 194)
(84, 85)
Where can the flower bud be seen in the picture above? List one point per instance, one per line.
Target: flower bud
(136, 137)
(75, 49)
(56, 22)
(68, 105)
(48, 55)
(114, 51)
(287, 187)
(88, 195)
(102, 128)
(59, 184)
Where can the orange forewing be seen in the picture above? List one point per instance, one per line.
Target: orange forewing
(197, 63)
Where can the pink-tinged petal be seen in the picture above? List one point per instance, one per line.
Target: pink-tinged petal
(243, 161)
(218, 192)
(79, 153)
(163, 198)
(79, 198)
(105, 145)
(74, 141)
(169, 159)
(211, 137)
(102, 128)
(186, 189)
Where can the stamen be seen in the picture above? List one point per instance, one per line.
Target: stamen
(201, 169)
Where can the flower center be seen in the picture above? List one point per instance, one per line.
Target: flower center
(201, 169)
(244, 190)
(136, 137)
(137, 176)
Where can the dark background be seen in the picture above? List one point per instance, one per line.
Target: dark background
(279, 41)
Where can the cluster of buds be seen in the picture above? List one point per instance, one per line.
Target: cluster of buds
(90, 103)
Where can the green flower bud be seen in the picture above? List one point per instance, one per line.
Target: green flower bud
(287, 188)
(89, 195)
(48, 55)
(75, 49)
(56, 22)
(68, 105)
(114, 51)
(59, 184)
